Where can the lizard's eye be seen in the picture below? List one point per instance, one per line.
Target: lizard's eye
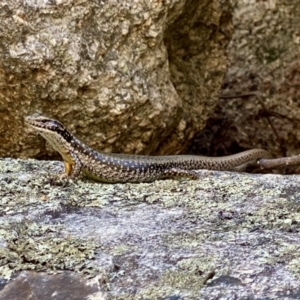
(53, 123)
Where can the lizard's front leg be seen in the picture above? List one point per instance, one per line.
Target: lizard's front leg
(73, 169)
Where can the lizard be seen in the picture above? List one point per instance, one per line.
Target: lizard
(113, 167)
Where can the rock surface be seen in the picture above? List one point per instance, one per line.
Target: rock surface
(128, 76)
(42, 286)
(264, 57)
(226, 236)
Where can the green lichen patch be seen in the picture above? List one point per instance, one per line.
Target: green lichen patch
(278, 213)
(122, 250)
(186, 240)
(30, 246)
(186, 280)
(294, 265)
(22, 190)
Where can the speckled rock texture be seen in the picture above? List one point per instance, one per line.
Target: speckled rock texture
(264, 56)
(127, 76)
(226, 236)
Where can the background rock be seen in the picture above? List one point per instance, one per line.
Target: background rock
(264, 58)
(129, 76)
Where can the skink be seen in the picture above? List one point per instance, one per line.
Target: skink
(107, 167)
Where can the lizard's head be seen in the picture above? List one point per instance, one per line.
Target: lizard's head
(47, 127)
(39, 122)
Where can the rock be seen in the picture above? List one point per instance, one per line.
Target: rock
(264, 57)
(66, 285)
(228, 235)
(129, 76)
